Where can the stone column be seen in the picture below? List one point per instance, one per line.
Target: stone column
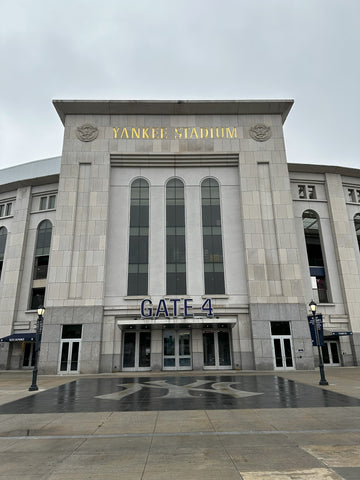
(345, 256)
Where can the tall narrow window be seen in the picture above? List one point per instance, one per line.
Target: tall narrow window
(212, 241)
(139, 238)
(3, 236)
(41, 263)
(357, 228)
(315, 255)
(175, 238)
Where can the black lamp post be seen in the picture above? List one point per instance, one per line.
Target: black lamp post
(39, 328)
(323, 380)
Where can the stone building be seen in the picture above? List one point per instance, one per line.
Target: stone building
(174, 235)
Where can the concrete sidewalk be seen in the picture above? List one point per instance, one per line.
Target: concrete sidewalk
(249, 444)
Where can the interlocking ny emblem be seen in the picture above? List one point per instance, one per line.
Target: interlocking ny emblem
(178, 391)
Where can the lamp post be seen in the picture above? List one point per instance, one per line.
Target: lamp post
(39, 328)
(323, 380)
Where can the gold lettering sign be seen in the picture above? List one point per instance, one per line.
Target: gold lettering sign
(174, 133)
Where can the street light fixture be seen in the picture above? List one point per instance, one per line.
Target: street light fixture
(39, 328)
(323, 380)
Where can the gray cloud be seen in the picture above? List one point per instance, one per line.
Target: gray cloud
(234, 49)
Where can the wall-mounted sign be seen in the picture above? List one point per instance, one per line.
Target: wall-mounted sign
(148, 310)
(174, 133)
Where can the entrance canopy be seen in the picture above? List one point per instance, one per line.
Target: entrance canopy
(19, 337)
(175, 322)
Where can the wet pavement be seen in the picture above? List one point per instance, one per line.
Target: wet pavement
(238, 426)
(178, 393)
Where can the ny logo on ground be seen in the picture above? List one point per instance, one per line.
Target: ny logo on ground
(178, 391)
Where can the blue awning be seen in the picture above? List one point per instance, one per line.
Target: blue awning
(19, 337)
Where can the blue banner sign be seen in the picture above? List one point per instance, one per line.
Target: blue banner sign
(319, 326)
(341, 334)
(174, 304)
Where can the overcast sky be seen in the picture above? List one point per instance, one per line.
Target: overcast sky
(307, 50)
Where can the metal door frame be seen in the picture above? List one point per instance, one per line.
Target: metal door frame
(177, 356)
(282, 338)
(217, 365)
(68, 371)
(136, 367)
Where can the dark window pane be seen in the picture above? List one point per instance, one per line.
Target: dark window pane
(325, 353)
(3, 236)
(209, 349)
(176, 283)
(334, 352)
(41, 267)
(52, 201)
(129, 349)
(43, 240)
(71, 331)
(43, 201)
(144, 349)
(278, 355)
(212, 240)
(175, 238)
(280, 328)
(224, 348)
(64, 356)
(288, 354)
(74, 356)
(214, 282)
(37, 298)
(139, 238)
(357, 228)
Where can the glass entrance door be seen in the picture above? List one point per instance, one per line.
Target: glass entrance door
(330, 353)
(69, 356)
(69, 360)
(282, 351)
(216, 347)
(177, 350)
(282, 345)
(136, 350)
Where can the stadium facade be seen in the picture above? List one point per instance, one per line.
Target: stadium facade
(174, 235)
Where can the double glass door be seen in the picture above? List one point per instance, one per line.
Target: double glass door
(177, 350)
(283, 356)
(282, 345)
(216, 347)
(137, 350)
(69, 356)
(69, 361)
(330, 353)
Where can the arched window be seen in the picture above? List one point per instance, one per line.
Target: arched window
(357, 227)
(3, 236)
(175, 238)
(41, 263)
(212, 238)
(315, 255)
(139, 238)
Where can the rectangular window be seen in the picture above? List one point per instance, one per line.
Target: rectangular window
(139, 238)
(358, 196)
(51, 203)
(71, 331)
(311, 192)
(43, 202)
(5, 209)
(351, 195)
(8, 209)
(302, 191)
(37, 298)
(41, 267)
(212, 238)
(47, 203)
